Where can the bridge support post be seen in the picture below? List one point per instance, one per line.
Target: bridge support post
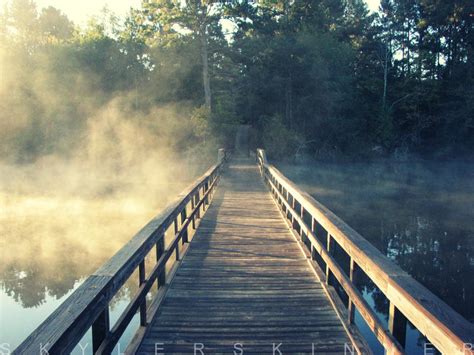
(206, 199)
(100, 329)
(220, 155)
(184, 216)
(397, 324)
(193, 218)
(141, 281)
(160, 249)
(330, 249)
(197, 197)
(353, 275)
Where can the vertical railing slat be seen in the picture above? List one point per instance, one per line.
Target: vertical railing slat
(353, 275)
(330, 249)
(141, 278)
(100, 329)
(397, 324)
(160, 249)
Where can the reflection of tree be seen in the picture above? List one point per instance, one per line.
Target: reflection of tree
(52, 250)
(51, 242)
(418, 215)
(29, 287)
(49, 256)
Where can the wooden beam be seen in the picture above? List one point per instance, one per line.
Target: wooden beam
(374, 324)
(66, 326)
(353, 277)
(100, 329)
(397, 324)
(141, 281)
(444, 328)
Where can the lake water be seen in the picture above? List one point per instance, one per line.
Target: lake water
(420, 215)
(59, 224)
(55, 231)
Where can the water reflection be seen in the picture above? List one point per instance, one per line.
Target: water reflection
(53, 237)
(50, 247)
(418, 214)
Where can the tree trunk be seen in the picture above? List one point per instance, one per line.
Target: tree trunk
(288, 102)
(205, 68)
(385, 78)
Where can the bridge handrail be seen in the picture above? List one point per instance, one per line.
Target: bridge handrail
(444, 328)
(88, 305)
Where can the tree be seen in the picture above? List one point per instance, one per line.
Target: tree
(169, 19)
(22, 23)
(54, 25)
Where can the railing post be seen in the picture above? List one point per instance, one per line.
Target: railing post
(353, 275)
(141, 277)
(160, 249)
(100, 329)
(177, 251)
(293, 212)
(330, 249)
(185, 232)
(303, 238)
(220, 155)
(197, 197)
(313, 249)
(176, 227)
(206, 199)
(202, 199)
(176, 231)
(397, 324)
(193, 219)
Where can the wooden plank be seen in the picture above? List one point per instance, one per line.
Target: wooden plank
(443, 327)
(66, 326)
(334, 270)
(244, 279)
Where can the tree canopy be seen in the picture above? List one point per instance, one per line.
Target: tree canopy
(322, 76)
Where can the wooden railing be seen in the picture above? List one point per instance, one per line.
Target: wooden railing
(322, 231)
(88, 306)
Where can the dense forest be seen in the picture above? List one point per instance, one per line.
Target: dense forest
(326, 78)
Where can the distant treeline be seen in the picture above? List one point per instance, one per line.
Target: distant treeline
(321, 77)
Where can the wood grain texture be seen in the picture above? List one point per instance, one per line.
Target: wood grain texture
(244, 280)
(66, 326)
(448, 331)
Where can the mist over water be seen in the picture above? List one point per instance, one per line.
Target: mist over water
(61, 218)
(418, 214)
(81, 171)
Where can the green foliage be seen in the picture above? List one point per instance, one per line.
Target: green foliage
(326, 75)
(278, 140)
(200, 123)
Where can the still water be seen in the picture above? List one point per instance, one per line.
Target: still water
(420, 215)
(54, 232)
(57, 228)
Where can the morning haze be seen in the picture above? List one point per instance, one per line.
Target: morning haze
(105, 119)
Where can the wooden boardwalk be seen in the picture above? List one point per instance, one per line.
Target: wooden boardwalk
(245, 283)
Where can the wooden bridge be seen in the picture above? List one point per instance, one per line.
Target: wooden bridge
(262, 269)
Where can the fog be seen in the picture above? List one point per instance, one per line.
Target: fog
(82, 167)
(416, 213)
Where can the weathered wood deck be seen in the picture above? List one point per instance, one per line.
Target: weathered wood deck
(234, 278)
(244, 282)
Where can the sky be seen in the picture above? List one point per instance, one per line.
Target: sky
(80, 10)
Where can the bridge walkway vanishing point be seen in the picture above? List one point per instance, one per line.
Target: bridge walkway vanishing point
(245, 283)
(264, 264)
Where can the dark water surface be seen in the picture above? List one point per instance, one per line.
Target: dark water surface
(420, 215)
